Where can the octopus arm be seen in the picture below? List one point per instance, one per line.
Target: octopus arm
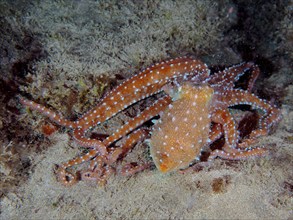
(224, 117)
(140, 86)
(53, 116)
(216, 132)
(82, 140)
(271, 114)
(66, 177)
(239, 155)
(227, 77)
(144, 116)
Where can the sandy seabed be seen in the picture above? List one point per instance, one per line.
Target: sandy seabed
(253, 189)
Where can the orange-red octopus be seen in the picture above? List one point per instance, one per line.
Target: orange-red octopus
(193, 110)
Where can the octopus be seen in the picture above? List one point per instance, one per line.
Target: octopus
(193, 109)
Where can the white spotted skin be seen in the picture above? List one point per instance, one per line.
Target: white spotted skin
(172, 148)
(140, 86)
